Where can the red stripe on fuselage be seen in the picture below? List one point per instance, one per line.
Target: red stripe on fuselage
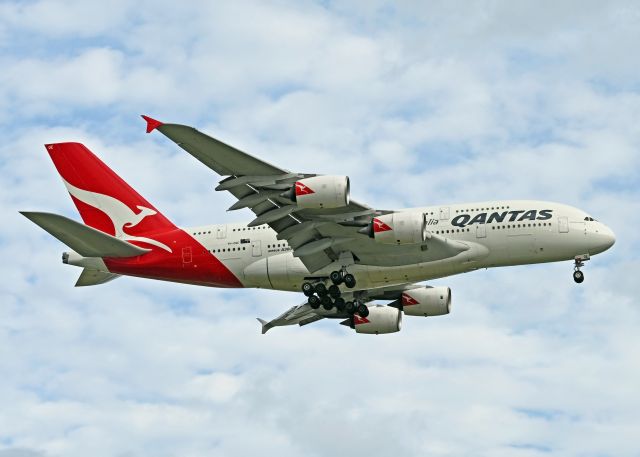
(203, 269)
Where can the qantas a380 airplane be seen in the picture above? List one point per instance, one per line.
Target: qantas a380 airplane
(307, 235)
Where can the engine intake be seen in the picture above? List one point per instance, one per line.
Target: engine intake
(427, 301)
(321, 192)
(381, 319)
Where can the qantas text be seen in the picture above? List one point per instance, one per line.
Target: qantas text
(506, 216)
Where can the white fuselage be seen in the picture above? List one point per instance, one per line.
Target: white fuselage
(498, 233)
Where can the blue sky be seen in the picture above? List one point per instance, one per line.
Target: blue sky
(419, 103)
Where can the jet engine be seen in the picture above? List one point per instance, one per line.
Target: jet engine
(406, 227)
(381, 319)
(320, 192)
(427, 301)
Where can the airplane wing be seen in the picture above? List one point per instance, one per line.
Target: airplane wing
(303, 314)
(317, 236)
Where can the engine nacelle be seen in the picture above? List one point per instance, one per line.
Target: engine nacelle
(427, 301)
(399, 228)
(381, 319)
(322, 192)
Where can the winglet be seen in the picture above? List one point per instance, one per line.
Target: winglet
(152, 124)
(265, 325)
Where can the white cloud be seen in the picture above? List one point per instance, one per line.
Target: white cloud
(69, 18)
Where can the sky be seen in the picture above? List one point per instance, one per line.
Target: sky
(420, 103)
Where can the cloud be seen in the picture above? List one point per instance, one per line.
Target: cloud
(418, 104)
(19, 453)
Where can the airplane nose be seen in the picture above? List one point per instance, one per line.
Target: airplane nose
(610, 238)
(605, 238)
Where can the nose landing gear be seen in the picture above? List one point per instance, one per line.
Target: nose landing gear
(578, 275)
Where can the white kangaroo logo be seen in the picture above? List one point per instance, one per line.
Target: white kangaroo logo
(120, 214)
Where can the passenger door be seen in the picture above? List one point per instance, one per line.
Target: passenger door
(563, 224)
(187, 256)
(256, 248)
(221, 232)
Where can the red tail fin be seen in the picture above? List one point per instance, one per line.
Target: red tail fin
(104, 200)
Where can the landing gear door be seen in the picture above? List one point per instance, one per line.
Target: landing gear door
(563, 224)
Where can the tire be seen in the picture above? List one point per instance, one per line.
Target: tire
(350, 307)
(321, 289)
(349, 280)
(308, 289)
(336, 277)
(334, 291)
(340, 303)
(327, 303)
(578, 276)
(363, 311)
(314, 302)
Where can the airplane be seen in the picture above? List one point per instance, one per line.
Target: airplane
(307, 235)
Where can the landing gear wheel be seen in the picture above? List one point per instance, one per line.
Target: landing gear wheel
(321, 289)
(578, 276)
(334, 291)
(308, 289)
(363, 311)
(314, 302)
(336, 277)
(340, 303)
(327, 303)
(350, 307)
(349, 280)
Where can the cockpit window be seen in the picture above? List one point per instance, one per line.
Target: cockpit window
(589, 218)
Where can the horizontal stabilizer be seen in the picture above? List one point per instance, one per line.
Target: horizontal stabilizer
(94, 277)
(85, 240)
(265, 325)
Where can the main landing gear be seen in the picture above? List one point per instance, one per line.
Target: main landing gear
(578, 275)
(329, 297)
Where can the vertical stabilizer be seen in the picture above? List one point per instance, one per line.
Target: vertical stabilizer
(105, 201)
